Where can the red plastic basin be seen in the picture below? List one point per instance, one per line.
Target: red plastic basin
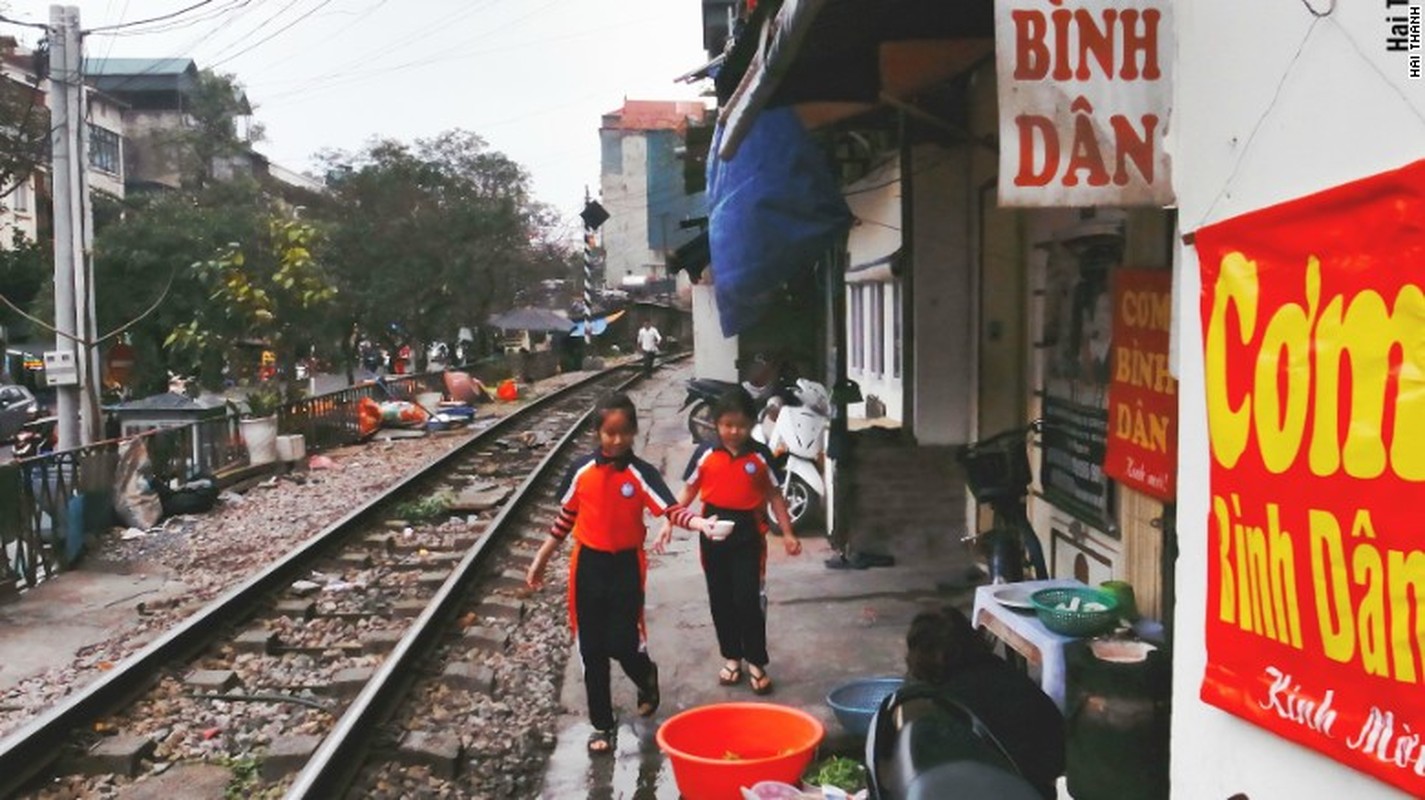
(715, 750)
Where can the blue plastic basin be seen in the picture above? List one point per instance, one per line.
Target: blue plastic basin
(855, 703)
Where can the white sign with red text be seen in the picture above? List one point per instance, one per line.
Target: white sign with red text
(1085, 90)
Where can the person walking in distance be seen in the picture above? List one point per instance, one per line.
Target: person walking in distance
(648, 341)
(602, 499)
(737, 480)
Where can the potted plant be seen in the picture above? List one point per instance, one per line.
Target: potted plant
(259, 424)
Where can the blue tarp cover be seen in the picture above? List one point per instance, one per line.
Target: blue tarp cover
(775, 209)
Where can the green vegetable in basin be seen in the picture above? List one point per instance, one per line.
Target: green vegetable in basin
(846, 774)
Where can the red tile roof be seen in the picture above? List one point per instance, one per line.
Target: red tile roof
(648, 115)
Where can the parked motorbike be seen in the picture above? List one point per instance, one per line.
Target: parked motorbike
(764, 384)
(943, 751)
(795, 431)
(39, 436)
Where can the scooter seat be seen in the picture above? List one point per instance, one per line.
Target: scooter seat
(971, 780)
(710, 386)
(939, 753)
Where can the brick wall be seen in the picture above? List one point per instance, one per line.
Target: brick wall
(900, 492)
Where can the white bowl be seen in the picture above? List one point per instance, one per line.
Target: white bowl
(721, 529)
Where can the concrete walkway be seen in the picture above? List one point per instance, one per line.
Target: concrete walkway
(825, 627)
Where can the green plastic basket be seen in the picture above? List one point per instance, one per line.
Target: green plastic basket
(1075, 623)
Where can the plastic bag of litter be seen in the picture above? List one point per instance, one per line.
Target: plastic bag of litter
(403, 414)
(136, 502)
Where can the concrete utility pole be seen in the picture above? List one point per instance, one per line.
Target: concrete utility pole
(78, 402)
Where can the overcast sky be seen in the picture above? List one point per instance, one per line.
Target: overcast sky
(532, 77)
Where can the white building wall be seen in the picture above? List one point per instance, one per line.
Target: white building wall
(17, 213)
(110, 116)
(1335, 119)
(714, 355)
(875, 202)
(625, 196)
(944, 322)
(17, 207)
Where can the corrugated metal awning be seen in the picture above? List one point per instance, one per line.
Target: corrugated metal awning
(836, 58)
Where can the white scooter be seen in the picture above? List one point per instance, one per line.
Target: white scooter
(797, 431)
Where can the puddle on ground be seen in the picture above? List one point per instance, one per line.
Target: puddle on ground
(637, 771)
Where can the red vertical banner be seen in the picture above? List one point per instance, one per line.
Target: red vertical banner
(1142, 447)
(1314, 334)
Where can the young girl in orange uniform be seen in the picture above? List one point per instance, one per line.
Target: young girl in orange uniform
(603, 497)
(737, 480)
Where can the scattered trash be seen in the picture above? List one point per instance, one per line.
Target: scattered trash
(533, 440)
(368, 416)
(231, 497)
(321, 462)
(194, 497)
(508, 391)
(135, 501)
(463, 388)
(131, 534)
(304, 588)
(342, 586)
(211, 733)
(403, 414)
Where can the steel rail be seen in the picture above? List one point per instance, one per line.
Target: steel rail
(29, 750)
(340, 757)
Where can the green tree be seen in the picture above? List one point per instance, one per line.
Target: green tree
(24, 128)
(171, 254)
(430, 236)
(150, 256)
(25, 271)
(270, 292)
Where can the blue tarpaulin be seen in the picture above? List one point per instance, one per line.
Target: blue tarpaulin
(775, 209)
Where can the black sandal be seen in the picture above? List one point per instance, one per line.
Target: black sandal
(601, 743)
(729, 676)
(759, 680)
(648, 693)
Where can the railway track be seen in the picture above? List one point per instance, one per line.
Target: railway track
(333, 670)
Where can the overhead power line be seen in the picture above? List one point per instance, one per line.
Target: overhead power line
(22, 23)
(180, 12)
(314, 9)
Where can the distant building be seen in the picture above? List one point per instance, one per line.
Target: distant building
(158, 94)
(25, 198)
(642, 186)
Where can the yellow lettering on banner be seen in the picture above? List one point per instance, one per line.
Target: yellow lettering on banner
(1289, 330)
(1228, 426)
(1226, 597)
(1407, 584)
(1391, 598)
(1143, 428)
(1333, 596)
(1257, 587)
(1365, 333)
(1148, 310)
(1308, 349)
(1369, 573)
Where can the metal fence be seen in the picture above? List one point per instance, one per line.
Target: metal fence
(48, 503)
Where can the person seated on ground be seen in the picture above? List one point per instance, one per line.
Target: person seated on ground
(944, 651)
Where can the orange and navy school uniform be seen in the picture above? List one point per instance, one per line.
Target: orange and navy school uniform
(735, 486)
(602, 500)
